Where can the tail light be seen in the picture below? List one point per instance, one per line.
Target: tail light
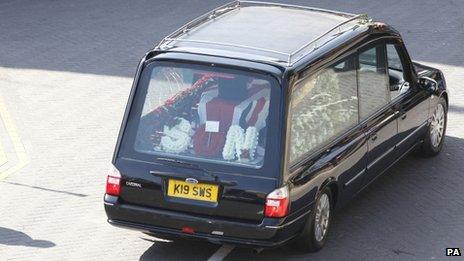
(277, 203)
(113, 182)
(188, 230)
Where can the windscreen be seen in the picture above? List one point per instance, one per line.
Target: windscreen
(204, 114)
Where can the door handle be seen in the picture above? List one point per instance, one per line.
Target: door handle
(373, 136)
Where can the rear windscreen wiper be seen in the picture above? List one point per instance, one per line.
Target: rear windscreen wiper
(180, 162)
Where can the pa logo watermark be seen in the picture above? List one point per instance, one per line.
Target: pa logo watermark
(453, 251)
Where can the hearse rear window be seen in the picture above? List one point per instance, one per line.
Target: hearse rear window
(204, 114)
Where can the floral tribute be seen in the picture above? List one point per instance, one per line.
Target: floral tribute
(321, 106)
(170, 131)
(177, 138)
(239, 144)
(198, 121)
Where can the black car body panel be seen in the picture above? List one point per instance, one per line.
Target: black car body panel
(244, 203)
(163, 223)
(346, 164)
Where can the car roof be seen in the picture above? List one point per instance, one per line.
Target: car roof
(270, 32)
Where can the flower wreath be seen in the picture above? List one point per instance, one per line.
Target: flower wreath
(239, 144)
(177, 139)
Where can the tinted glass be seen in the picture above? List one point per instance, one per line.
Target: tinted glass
(368, 60)
(372, 81)
(322, 107)
(202, 114)
(395, 72)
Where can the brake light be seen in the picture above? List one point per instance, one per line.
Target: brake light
(188, 230)
(113, 182)
(277, 203)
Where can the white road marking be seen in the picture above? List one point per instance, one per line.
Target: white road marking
(3, 157)
(221, 253)
(13, 133)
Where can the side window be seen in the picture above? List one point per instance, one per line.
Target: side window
(372, 81)
(322, 106)
(395, 72)
(368, 60)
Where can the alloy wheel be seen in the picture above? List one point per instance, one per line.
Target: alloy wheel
(437, 126)
(321, 222)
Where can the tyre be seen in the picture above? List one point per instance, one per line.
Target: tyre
(435, 136)
(317, 226)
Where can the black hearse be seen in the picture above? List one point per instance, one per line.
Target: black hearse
(252, 123)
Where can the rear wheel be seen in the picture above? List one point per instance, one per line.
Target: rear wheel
(435, 136)
(315, 232)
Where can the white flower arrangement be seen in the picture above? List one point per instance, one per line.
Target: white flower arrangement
(250, 143)
(238, 141)
(177, 138)
(184, 126)
(234, 139)
(321, 111)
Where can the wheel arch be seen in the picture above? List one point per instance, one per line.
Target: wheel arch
(445, 95)
(332, 184)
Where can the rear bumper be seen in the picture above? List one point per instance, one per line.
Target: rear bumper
(268, 233)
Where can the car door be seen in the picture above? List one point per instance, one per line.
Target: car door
(411, 102)
(375, 110)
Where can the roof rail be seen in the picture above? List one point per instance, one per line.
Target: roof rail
(289, 58)
(361, 18)
(308, 8)
(200, 20)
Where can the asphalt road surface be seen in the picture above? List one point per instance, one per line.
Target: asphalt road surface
(66, 68)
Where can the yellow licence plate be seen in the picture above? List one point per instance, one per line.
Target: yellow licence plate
(182, 189)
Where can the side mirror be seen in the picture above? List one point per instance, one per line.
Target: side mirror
(428, 84)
